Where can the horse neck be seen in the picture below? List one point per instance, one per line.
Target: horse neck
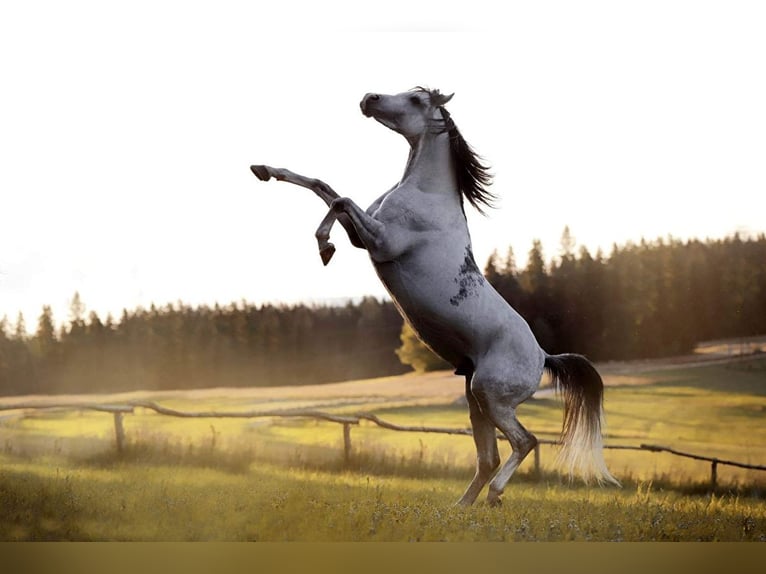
(429, 166)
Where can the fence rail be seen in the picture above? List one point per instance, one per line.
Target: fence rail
(120, 410)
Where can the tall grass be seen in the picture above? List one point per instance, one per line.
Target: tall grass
(133, 500)
(61, 477)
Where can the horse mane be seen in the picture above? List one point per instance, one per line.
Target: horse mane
(473, 176)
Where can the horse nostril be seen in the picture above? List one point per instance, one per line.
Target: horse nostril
(366, 100)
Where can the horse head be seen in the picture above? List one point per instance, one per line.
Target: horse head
(421, 112)
(411, 114)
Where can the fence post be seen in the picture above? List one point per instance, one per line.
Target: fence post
(119, 431)
(346, 442)
(537, 460)
(713, 474)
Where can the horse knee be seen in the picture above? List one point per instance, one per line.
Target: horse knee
(526, 443)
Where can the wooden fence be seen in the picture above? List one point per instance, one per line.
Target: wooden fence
(118, 411)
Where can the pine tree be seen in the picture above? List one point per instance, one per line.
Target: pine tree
(492, 270)
(20, 332)
(537, 306)
(5, 357)
(45, 336)
(567, 245)
(76, 315)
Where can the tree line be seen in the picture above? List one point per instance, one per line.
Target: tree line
(645, 299)
(182, 347)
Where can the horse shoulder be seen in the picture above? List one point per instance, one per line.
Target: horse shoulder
(375, 205)
(407, 209)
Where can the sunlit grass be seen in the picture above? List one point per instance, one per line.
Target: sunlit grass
(271, 503)
(61, 477)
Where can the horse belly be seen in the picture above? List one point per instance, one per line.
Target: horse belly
(442, 312)
(458, 314)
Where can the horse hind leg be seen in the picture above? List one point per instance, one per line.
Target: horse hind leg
(487, 456)
(500, 407)
(522, 442)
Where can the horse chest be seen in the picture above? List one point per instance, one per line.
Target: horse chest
(407, 210)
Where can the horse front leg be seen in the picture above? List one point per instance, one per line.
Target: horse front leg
(326, 249)
(369, 230)
(320, 188)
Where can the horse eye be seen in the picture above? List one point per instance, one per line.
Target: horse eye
(415, 100)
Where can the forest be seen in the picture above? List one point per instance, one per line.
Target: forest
(647, 299)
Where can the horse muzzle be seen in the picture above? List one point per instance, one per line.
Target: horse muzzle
(367, 102)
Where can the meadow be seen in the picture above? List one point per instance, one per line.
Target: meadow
(275, 479)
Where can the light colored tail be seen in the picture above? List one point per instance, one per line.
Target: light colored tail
(583, 390)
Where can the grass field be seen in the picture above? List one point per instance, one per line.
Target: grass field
(286, 479)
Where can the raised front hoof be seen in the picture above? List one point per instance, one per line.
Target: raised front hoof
(261, 172)
(326, 253)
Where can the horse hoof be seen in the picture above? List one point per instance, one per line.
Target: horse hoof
(326, 253)
(495, 502)
(261, 172)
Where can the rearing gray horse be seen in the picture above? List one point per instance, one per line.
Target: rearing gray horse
(417, 237)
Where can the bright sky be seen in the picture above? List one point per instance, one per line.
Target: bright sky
(127, 130)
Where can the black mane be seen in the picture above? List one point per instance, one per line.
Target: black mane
(473, 176)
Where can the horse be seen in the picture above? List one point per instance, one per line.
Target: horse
(417, 237)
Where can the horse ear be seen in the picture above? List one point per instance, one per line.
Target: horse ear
(438, 99)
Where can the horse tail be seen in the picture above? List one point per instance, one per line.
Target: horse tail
(583, 390)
